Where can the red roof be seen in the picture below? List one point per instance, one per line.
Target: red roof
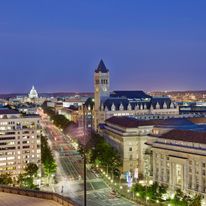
(198, 120)
(186, 136)
(129, 122)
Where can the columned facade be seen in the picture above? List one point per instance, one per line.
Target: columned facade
(180, 164)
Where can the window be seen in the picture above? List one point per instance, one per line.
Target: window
(130, 149)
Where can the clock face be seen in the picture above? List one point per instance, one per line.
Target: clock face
(97, 89)
(104, 89)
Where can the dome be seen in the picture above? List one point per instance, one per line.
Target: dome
(33, 93)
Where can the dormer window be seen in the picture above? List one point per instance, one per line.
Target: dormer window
(164, 105)
(157, 105)
(129, 107)
(121, 107)
(113, 107)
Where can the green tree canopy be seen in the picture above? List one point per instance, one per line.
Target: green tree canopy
(31, 169)
(5, 179)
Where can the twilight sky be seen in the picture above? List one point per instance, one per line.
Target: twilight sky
(57, 44)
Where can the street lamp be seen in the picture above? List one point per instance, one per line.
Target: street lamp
(84, 157)
(147, 198)
(84, 153)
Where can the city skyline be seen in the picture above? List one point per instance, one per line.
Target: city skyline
(56, 47)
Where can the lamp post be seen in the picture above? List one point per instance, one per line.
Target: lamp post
(84, 157)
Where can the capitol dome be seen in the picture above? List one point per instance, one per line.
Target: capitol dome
(33, 93)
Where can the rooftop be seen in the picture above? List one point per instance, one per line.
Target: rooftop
(130, 94)
(198, 120)
(130, 122)
(186, 136)
(101, 67)
(4, 111)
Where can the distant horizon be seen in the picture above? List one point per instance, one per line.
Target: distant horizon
(92, 92)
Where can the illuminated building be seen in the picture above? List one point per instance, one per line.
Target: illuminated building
(129, 136)
(125, 103)
(33, 93)
(179, 158)
(19, 141)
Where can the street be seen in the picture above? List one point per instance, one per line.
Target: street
(69, 175)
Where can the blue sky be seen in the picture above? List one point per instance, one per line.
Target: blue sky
(148, 45)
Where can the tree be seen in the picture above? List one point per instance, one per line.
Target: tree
(47, 158)
(105, 155)
(196, 201)
(5, 179)
(50, 167)
(59, 120)
(31, 169)
(153, 191)
(140, 189)
(180, 199)
(26, 179)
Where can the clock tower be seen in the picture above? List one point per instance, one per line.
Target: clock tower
(101, 84)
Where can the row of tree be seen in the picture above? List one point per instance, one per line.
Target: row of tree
(59, 120)
(102, 154)
(47, 159)
(155, 192)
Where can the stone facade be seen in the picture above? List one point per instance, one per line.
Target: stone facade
(130, 142)
(125, 103)
(179, 160)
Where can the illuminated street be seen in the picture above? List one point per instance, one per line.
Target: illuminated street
(70, 172)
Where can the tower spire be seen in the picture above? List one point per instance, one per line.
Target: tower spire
(101, 67)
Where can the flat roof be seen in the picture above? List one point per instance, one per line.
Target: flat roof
(8, 111)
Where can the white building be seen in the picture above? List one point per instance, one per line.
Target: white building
(33, 93)
(179, 160)
(125, 103)
(19, 141)
(129, 136)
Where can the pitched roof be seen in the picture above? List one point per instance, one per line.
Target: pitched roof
(186, 136)
(101, 67)
(124, 102)
(161, 101)
(130, 94)
(135, 98)
(89, 102)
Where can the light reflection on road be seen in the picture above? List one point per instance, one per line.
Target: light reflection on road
(70, 171)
